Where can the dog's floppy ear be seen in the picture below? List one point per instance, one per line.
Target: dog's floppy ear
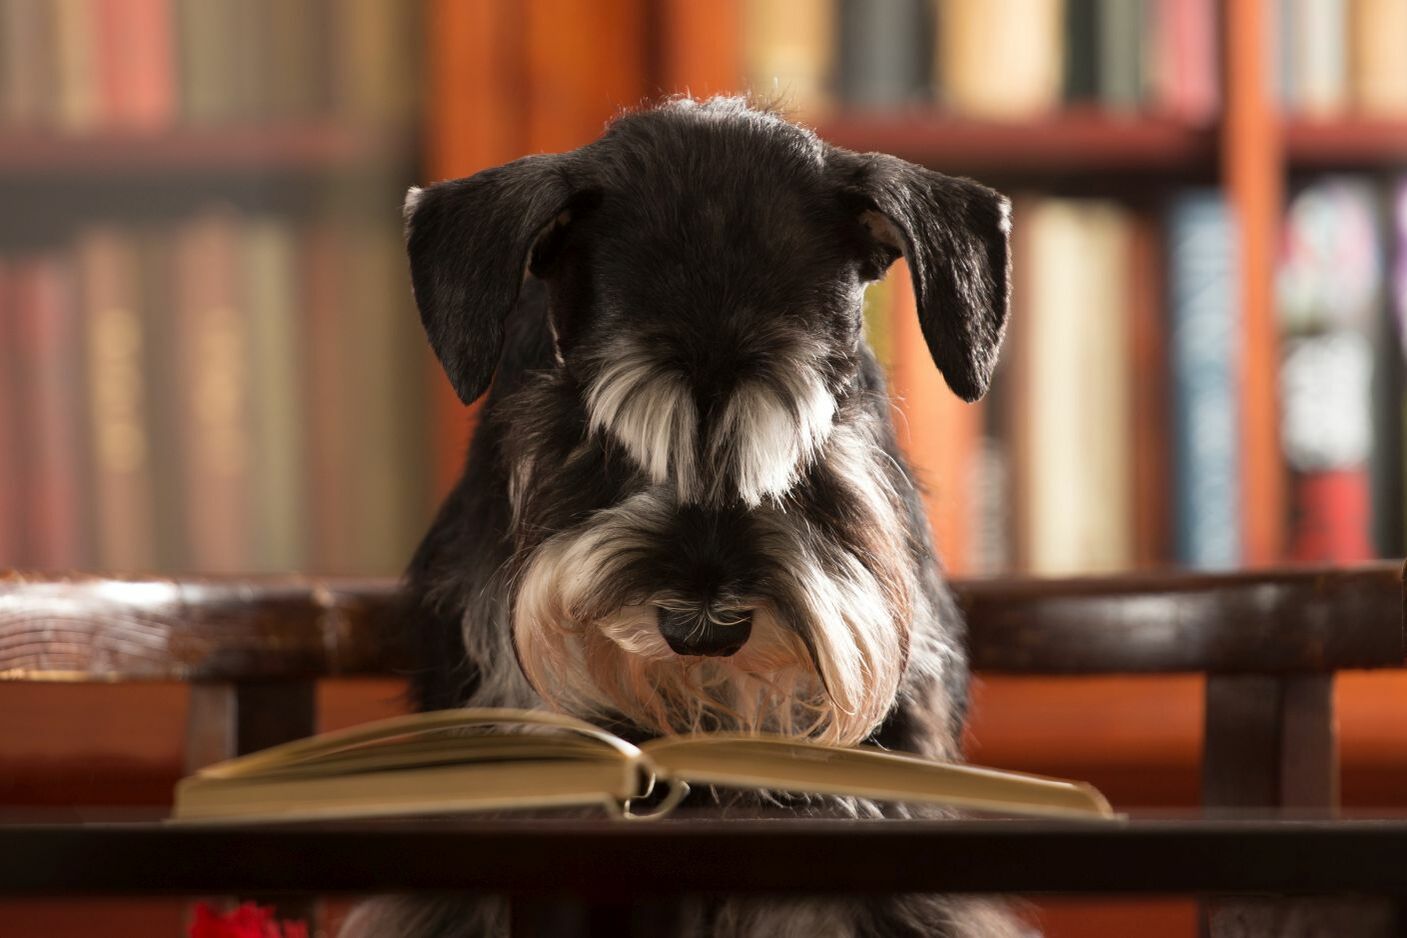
(470, 242)
(954, 234)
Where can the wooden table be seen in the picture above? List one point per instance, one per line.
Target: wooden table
(539, 863)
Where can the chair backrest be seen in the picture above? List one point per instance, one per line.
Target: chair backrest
(1269, 642)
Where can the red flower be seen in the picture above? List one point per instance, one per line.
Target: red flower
(247, 921)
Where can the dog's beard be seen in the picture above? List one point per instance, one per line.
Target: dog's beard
(824, 660)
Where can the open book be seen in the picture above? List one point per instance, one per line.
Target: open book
(457, 761)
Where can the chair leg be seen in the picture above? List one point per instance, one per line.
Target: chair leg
(1271, 744)
(225, 720)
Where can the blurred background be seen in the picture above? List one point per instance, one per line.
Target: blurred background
(209, 361)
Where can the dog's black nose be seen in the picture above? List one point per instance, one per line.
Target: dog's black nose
(692, 632)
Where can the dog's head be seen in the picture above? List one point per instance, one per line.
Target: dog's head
(711, 532)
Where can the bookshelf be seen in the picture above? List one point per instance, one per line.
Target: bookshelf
(207, 354)
(1079, 143)
(116, 158)
(1345, 143)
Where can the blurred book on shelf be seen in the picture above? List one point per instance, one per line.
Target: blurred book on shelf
(1205, 380)
(1070, 417)
(216, 370)
(1116, 428)
(173, 387)
(1342, 57)
(1338, 334)
(89, 66)
(196, 369)
(1001, 60)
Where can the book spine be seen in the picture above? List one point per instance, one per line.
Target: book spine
(937, 431)
(298, 37)
(1196, 90)
(1202, 274)
(1325, 380)
(1331, 310)
(330, 442)
(1082, 59)
(1320, 41)
(204, 57)
(11, 503)
(788, 53)
(1078, 490)
(123, 496)
(1149, 332)
(48, 344)
(149, 62)
(109, 59)
(78, 104)
(1330, 519)
(1123, 40)
(156, 260)
(277, 466)
(374, 62)
(383, 358)
(1379, 67)
(1286, 85)
(1001, 59)
(212, 346)
(26, 58)
(1392, 516)
(703, 47)
(885, 52)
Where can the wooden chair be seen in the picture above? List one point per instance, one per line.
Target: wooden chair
(1269, 643)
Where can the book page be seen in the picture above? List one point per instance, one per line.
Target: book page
(782, 764)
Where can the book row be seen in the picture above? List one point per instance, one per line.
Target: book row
(1339, 56)
(999, 59)
(1111, 438)
(220, 393)
(146, 65)
(236, 392)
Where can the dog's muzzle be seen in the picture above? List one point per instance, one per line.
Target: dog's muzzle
(700, 633)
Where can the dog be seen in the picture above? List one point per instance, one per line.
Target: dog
(684, 508)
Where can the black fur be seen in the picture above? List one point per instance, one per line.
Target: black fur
(726, 250)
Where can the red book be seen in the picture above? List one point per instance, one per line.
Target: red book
(135, 62)
(151, 77)
(48, 344)
(331, 439)
(10, 500)
(1331, 519)
(1185, 59)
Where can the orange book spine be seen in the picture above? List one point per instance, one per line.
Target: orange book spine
(476, 79)
(938, 432)
(149, 63)
(1150, 408)
(702, 47)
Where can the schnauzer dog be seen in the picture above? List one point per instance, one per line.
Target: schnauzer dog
(684, 507)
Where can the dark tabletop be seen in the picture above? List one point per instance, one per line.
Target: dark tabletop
(625, 859)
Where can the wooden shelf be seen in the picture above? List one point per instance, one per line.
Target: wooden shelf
(1079, 142)
(280, 148)
(1348, 142)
